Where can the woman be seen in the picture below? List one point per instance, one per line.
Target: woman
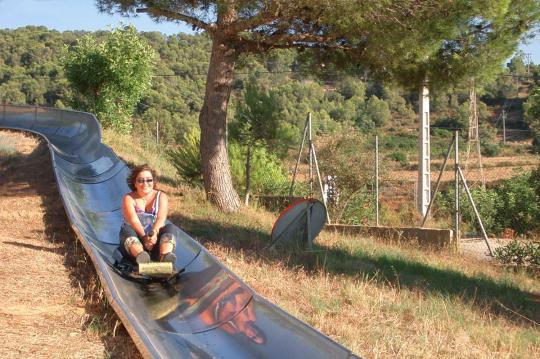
(145, 235)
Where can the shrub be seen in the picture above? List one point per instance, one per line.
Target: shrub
(400, 157)
(520, 253)
(487, 203)
(267, 173)
(359, 209)
(490, 149)
(514, 204)
(187, 158)
(519, 207)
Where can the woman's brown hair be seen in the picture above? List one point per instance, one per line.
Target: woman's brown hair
(135, 172)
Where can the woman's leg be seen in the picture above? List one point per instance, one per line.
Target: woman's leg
(167, 243)
(132, 245)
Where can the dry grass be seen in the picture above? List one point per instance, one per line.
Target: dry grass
(51, 303)
(377, 299)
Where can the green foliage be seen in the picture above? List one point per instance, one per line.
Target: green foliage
(350, 156)
(377, 111)
(267, 174)
(359, 208)
(520, 208)
(514, 203)
(487, 203)
(520, 253)
(399, 156)
(490, 149)
(257, 118)
(186, 159)
(109, 77)
(532, 116)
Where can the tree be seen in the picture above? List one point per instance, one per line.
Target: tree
(257, 123)
(384, 36)
(110, 77)
(532, 116)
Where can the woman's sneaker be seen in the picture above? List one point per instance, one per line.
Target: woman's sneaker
(142, 257)
(169, 257)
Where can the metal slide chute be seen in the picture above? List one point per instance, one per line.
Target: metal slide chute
(206, 312)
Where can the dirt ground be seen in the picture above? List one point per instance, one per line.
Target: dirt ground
(51, 305)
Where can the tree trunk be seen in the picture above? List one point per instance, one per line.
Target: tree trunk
(213, 122)
(248, 173)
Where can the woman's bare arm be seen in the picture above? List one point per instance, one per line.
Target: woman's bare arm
(162, 212)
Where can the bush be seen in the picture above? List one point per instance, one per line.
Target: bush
(487, 203)
(359, 209)
(400, 157)
(187, 158)
(520, 253)
(519, 207)
(267, 173)
(490, 149)
(514, 204)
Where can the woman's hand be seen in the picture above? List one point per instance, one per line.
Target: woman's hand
(149, 242)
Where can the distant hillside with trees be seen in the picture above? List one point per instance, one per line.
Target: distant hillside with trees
(31, 73)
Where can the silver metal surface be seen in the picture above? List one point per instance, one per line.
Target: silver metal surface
(299, 223)
(207, 312)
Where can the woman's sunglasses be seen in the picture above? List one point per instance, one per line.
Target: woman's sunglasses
(147, 180)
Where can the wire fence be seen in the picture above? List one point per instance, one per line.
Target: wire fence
(388, 193)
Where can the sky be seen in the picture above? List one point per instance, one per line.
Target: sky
(65, 15)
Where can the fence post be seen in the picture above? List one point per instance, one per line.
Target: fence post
(377, 180)
(456, 187)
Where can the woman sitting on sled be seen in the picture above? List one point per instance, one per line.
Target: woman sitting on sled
(145, 235)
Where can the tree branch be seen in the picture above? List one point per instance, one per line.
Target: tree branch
(158, 12)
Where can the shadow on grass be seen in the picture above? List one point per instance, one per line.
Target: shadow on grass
(30, 174)
(486, 294)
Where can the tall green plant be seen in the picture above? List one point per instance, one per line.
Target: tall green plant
(268, 174)
(111, 76)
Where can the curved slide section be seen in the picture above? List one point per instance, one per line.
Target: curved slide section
(207, 312)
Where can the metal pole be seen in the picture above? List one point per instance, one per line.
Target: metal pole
(308, 227)
(504, 125)
(475, 211)
(310, 143)
(456, 187)
(320, 182)
(377, 181)
(438, 182)
(298, 159)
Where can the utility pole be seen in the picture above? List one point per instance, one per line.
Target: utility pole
(474, 133)
(424, 173)
(504, 125)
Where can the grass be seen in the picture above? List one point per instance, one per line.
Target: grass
(7, 147)
(378, 299)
